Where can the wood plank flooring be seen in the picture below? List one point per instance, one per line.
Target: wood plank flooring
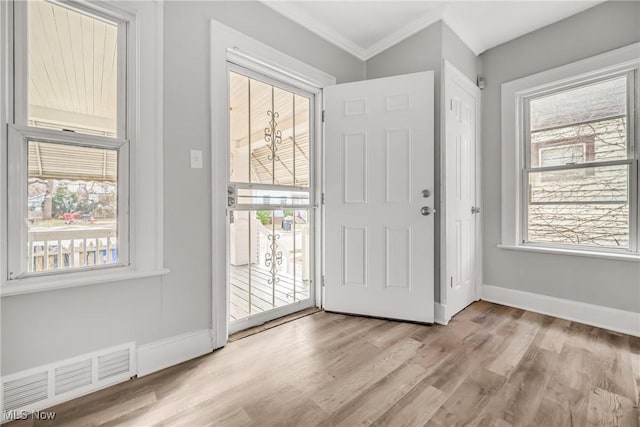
(491, 366)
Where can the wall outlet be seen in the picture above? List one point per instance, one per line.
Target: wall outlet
(196, 159)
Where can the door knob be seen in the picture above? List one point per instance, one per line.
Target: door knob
(426, 210)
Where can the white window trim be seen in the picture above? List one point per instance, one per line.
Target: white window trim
(144, 131)
(513, 93)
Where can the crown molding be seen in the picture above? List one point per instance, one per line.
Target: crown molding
(302, 18)
(444, 12)
(469, 38)
(405, 32)
(290, 11)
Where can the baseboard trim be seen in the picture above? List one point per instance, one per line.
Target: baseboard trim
(613, 319)
(441, 314)
(158, 355)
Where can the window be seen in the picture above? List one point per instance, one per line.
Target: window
(575, 196)
(68, 199)
(82, 152)
(576, 147)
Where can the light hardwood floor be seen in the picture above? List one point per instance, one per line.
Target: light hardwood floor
(491, 366)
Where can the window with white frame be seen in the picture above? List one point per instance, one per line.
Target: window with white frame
(577, 151)
(579, 164)
(68, 145)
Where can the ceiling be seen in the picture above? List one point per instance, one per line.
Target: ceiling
(366, 28)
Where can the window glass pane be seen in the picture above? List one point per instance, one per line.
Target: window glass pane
(582, 125)
(595, 225)
(72, 70)
(239, 146)
(283, 161)
(269, 134)
(587, 206)
(302, 129)
(72, 206)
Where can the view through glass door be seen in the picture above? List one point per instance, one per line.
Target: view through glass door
(269, 198)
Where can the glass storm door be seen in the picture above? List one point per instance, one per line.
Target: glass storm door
(270, 259)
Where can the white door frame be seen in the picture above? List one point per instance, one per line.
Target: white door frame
(229, 45)
(451, 73)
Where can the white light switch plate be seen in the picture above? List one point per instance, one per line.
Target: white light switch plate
(196, 159)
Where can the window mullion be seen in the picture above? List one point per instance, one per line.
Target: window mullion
(66, 137)
(586, 165)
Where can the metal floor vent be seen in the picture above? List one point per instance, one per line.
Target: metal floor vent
(113, 363)
(39, 388)
(73, 376)
(25, 391)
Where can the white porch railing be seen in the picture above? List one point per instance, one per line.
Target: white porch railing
(60, 249)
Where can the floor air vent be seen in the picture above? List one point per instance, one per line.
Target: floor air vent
(113, 364)
(25, 391)
(73, 376)
(45, 386)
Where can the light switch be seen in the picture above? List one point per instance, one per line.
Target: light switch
(196, 159)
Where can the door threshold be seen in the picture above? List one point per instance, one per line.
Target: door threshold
(389, 319)
(273, 323)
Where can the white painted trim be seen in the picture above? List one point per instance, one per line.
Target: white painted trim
(299, 74)
(229, 44)
(513, 92)
(404, 32)
(613, 319)
(464, 33)
(6, 101)
(312, 24)
(452, 74)
(49, 283)
(158, 355)
(291, 12)
(474, 40)
(441, 317)
(573, 252)
(145, 230)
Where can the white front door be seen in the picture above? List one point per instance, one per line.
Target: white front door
(379, 183)
(461, 97)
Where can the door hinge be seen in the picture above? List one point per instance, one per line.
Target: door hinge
(322, 281)
(323, 199)
(323, 111)
(452, 281)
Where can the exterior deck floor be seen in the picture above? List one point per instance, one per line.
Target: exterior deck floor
(252, 289)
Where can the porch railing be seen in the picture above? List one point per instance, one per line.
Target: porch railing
(59, 249)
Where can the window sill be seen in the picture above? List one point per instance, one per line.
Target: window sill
(47, 283)
(573, 252)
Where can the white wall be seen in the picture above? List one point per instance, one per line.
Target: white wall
(49, 326)
(608, 283)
